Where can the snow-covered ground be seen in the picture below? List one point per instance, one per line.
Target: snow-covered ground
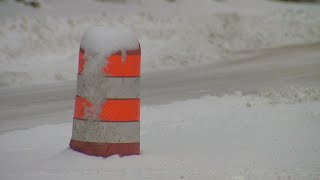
(229, 137)
(230, 89)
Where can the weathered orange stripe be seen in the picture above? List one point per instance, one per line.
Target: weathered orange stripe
(112, 110)
(106, 149)
(130, 67)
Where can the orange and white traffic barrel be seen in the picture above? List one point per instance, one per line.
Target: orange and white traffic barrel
(107, 104)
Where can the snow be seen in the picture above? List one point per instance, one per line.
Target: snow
(108, 40)
(207, 138)
(40, 48)
(189, 49)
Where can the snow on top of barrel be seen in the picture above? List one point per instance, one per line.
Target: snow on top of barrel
(108, 40)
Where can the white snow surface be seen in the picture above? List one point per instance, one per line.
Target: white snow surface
(229, 137)
(108, 40)
(42, 45)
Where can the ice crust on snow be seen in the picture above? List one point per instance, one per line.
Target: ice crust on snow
(98, 44)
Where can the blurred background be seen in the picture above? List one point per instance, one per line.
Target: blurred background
(39, 39)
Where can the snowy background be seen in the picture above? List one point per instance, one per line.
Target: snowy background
(41, 45)
(230, 89)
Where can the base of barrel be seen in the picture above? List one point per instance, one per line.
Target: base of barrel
(106, 149)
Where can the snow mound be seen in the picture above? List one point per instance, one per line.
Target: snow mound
(285, 95)
(291, 95)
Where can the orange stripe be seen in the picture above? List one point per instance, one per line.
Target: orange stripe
(121, 110)
(106, 149)
(114, 110)
(115, 67)
(130, 67)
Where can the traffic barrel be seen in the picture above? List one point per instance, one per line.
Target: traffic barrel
(107, 105)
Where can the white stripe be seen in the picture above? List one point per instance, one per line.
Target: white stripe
(116, 87)
(105, 132)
